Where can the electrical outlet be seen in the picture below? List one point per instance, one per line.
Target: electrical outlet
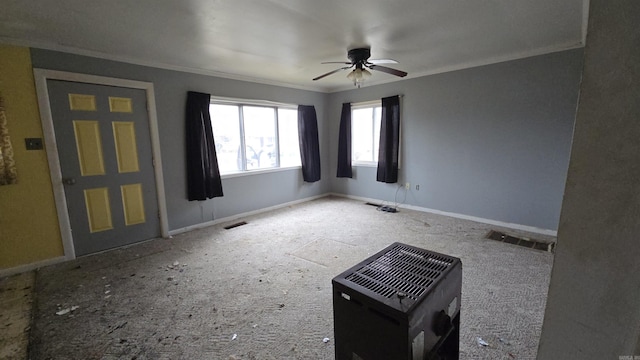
(407, 186)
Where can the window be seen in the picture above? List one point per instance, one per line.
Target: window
(365, 132)
(254, 137)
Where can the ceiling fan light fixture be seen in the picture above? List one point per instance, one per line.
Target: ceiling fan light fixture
(358, 76)
(360, 63)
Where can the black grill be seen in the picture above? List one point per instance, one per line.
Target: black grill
(401, 303)
(401, 269)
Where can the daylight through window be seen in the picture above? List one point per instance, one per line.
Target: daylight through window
(254, 137)
(365, 132)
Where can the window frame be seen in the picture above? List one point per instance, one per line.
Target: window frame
(364, 105)
(240, 103)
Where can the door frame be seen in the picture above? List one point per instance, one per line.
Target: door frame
(41, 76)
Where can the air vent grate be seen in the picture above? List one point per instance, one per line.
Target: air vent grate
(235, 225)
(401, 270)
(528, 243)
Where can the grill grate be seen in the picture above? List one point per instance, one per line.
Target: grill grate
(401, 269)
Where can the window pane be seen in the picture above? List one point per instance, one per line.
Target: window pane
(260, 137)
(226, 134)
(362, 134)
(288, 137)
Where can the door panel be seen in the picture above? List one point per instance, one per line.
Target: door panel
(89, 147)
(104, 147)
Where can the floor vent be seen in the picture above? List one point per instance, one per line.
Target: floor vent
(528, 243)
(235, 225)
(372, 204)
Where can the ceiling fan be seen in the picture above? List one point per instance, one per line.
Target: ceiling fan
(359, 60)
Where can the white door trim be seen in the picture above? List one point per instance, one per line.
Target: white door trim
(41, 76)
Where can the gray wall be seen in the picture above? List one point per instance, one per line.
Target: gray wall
(593, 306)
(490, 141)
(242, 194)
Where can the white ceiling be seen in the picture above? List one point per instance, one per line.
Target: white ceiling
(283, 41)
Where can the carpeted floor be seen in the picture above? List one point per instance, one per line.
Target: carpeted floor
(16, 302)
(263, 290)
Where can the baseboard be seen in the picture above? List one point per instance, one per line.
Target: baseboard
(532, 229)
(31, 266)
(527, 228)
(245, 214)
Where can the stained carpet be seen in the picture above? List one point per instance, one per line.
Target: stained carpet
(263, 290)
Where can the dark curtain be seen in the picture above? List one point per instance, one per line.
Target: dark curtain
(389, 140)
(344, 143)
(203, 175)
(309, 145)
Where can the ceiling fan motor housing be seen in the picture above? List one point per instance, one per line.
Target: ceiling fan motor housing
(359, 56)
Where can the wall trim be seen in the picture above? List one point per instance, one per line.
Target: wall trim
(245, 214)
(473, 64)
(585, 21)
(160, 65)
(31, 266)
(514, 226)
(151, 63)
(41, 76)
(528, 228)
(171, 233)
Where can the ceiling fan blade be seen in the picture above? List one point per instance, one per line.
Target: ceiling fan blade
(382, 61)
(388, 70)
(331, 72)
(336, 62)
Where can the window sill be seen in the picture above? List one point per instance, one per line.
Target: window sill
(365, 164)
(368, 164)
(258, 172)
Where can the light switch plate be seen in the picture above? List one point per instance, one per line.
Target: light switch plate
(33, 143)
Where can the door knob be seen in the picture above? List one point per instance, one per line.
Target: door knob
(69, 181)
